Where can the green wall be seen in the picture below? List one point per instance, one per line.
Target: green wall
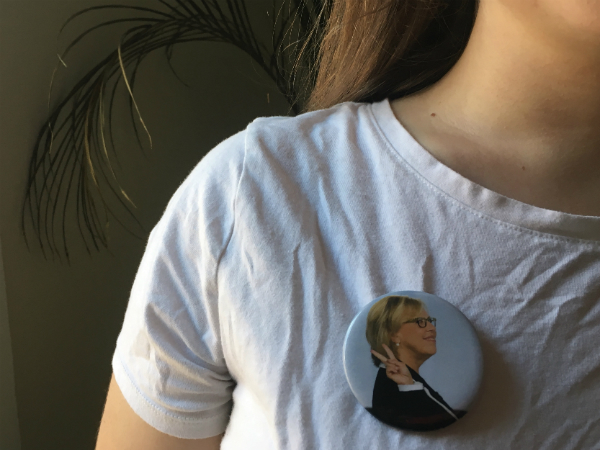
(64, 320)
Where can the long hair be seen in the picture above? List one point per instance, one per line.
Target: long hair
(385, 318)
(377, 49)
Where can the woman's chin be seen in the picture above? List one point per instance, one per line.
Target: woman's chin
(431, 349)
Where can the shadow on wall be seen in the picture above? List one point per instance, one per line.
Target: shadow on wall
(64, 320)
(9, 423)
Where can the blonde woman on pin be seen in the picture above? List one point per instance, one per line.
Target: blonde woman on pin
(401, 328)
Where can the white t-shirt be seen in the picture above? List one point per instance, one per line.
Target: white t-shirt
(283, 232)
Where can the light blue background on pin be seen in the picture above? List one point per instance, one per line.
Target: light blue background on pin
(455, 371)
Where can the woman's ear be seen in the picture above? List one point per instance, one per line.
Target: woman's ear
(395, 338)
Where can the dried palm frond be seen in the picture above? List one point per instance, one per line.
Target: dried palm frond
(71, 150)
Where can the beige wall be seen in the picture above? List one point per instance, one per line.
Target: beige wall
(64, 320)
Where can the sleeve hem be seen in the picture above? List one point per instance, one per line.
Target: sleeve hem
(180, 427)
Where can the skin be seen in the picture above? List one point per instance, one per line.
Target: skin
(415, 346)
(519, 113)
(122, 429)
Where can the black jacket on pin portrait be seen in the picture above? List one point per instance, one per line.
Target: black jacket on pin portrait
(412, 410)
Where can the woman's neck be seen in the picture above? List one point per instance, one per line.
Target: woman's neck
(411, 359)
(519, 111)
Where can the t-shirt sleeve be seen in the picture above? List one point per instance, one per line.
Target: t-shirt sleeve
(168, 360)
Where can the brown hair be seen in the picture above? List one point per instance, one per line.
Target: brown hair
(385, 318)
(377, 49)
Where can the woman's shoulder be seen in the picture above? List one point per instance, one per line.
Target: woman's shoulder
(292, 140)
(276, 156)
(334, 118)
(311, 133)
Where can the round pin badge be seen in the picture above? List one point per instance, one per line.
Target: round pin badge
(413, 360)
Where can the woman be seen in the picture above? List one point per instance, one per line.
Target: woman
(401, 397)
(449, 149)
